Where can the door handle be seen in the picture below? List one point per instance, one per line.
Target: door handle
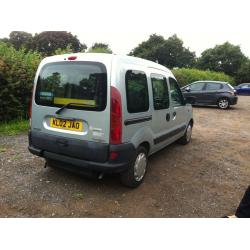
(174, 115)
(167, 117)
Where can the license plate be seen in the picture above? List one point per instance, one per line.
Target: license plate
(66, 124)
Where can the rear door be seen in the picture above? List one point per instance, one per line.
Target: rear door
(161, 117)
(135, 95)
(212, 92)
(85, 85)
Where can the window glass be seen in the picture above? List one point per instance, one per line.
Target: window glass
(160, 92)
(73, 82)
(136, 91)
(176, 95)
(245, 86)
(197, 86)
(213, 86)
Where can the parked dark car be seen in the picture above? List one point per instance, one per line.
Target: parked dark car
(217, 93)
(243, 89)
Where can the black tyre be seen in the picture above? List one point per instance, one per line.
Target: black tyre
(223, 103)
(135, 174)
(186, 138)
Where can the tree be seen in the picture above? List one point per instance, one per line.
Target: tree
(100, 48)
(174, 54)
(48, 42)
(149, 49)
(170, 52)
(243, 74)
(227, 58)
(18, 39)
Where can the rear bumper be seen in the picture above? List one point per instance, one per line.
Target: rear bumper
(233, 100)
(126, 154)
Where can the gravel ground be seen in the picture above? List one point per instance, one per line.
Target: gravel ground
(206, 178)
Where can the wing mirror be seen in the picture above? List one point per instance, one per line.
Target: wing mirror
(189, 100)
(187, 89)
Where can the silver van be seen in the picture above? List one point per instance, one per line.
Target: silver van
(106, 113)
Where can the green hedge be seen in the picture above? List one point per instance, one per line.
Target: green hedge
(185, 76)
(17, 72)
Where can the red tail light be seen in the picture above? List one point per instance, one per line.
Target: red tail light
(115, 117)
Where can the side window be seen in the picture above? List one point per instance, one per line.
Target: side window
(176, 95)
(213, 86)
(245, 86)
(136, 91)
(160, 92)
(197, 86)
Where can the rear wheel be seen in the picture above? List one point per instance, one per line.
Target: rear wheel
(223, 103)
(135, 174)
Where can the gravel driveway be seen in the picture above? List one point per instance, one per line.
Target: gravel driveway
(206, 178)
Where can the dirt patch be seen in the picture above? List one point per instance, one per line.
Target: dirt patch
(206, 178)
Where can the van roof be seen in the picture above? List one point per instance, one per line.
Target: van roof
(108, 57)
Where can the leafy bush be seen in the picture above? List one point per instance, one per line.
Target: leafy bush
(17, 72)
(186, 76)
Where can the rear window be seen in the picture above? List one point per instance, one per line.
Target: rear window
(160, 92)
(213, 86)
(136, 91)
(82, 83)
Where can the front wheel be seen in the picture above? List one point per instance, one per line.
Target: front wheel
(223, 103)
(135, 174)
(186, 138)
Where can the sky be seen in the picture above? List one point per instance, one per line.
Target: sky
(123, 24)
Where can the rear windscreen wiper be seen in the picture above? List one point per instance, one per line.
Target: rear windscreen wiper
(73, 104)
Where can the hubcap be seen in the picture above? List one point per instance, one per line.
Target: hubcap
(223, 103)
(189, 132)
(140, 166)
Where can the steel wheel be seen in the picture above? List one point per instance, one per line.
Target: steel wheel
(140, 166)
(189, 132)
(134, 175)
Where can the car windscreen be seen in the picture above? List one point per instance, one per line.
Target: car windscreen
(83, 83)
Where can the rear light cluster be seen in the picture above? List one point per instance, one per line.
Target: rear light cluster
(115, 117)
(233, 93)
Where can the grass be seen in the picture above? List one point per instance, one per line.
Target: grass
(14, 127)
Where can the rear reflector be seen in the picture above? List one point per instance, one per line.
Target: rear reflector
(115, 117)
(71, 58)
(113, 155)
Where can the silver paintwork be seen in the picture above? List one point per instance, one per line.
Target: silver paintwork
(97, 124)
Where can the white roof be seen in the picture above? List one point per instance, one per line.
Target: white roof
(106, 57)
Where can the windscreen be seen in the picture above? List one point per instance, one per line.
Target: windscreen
(82, 83)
